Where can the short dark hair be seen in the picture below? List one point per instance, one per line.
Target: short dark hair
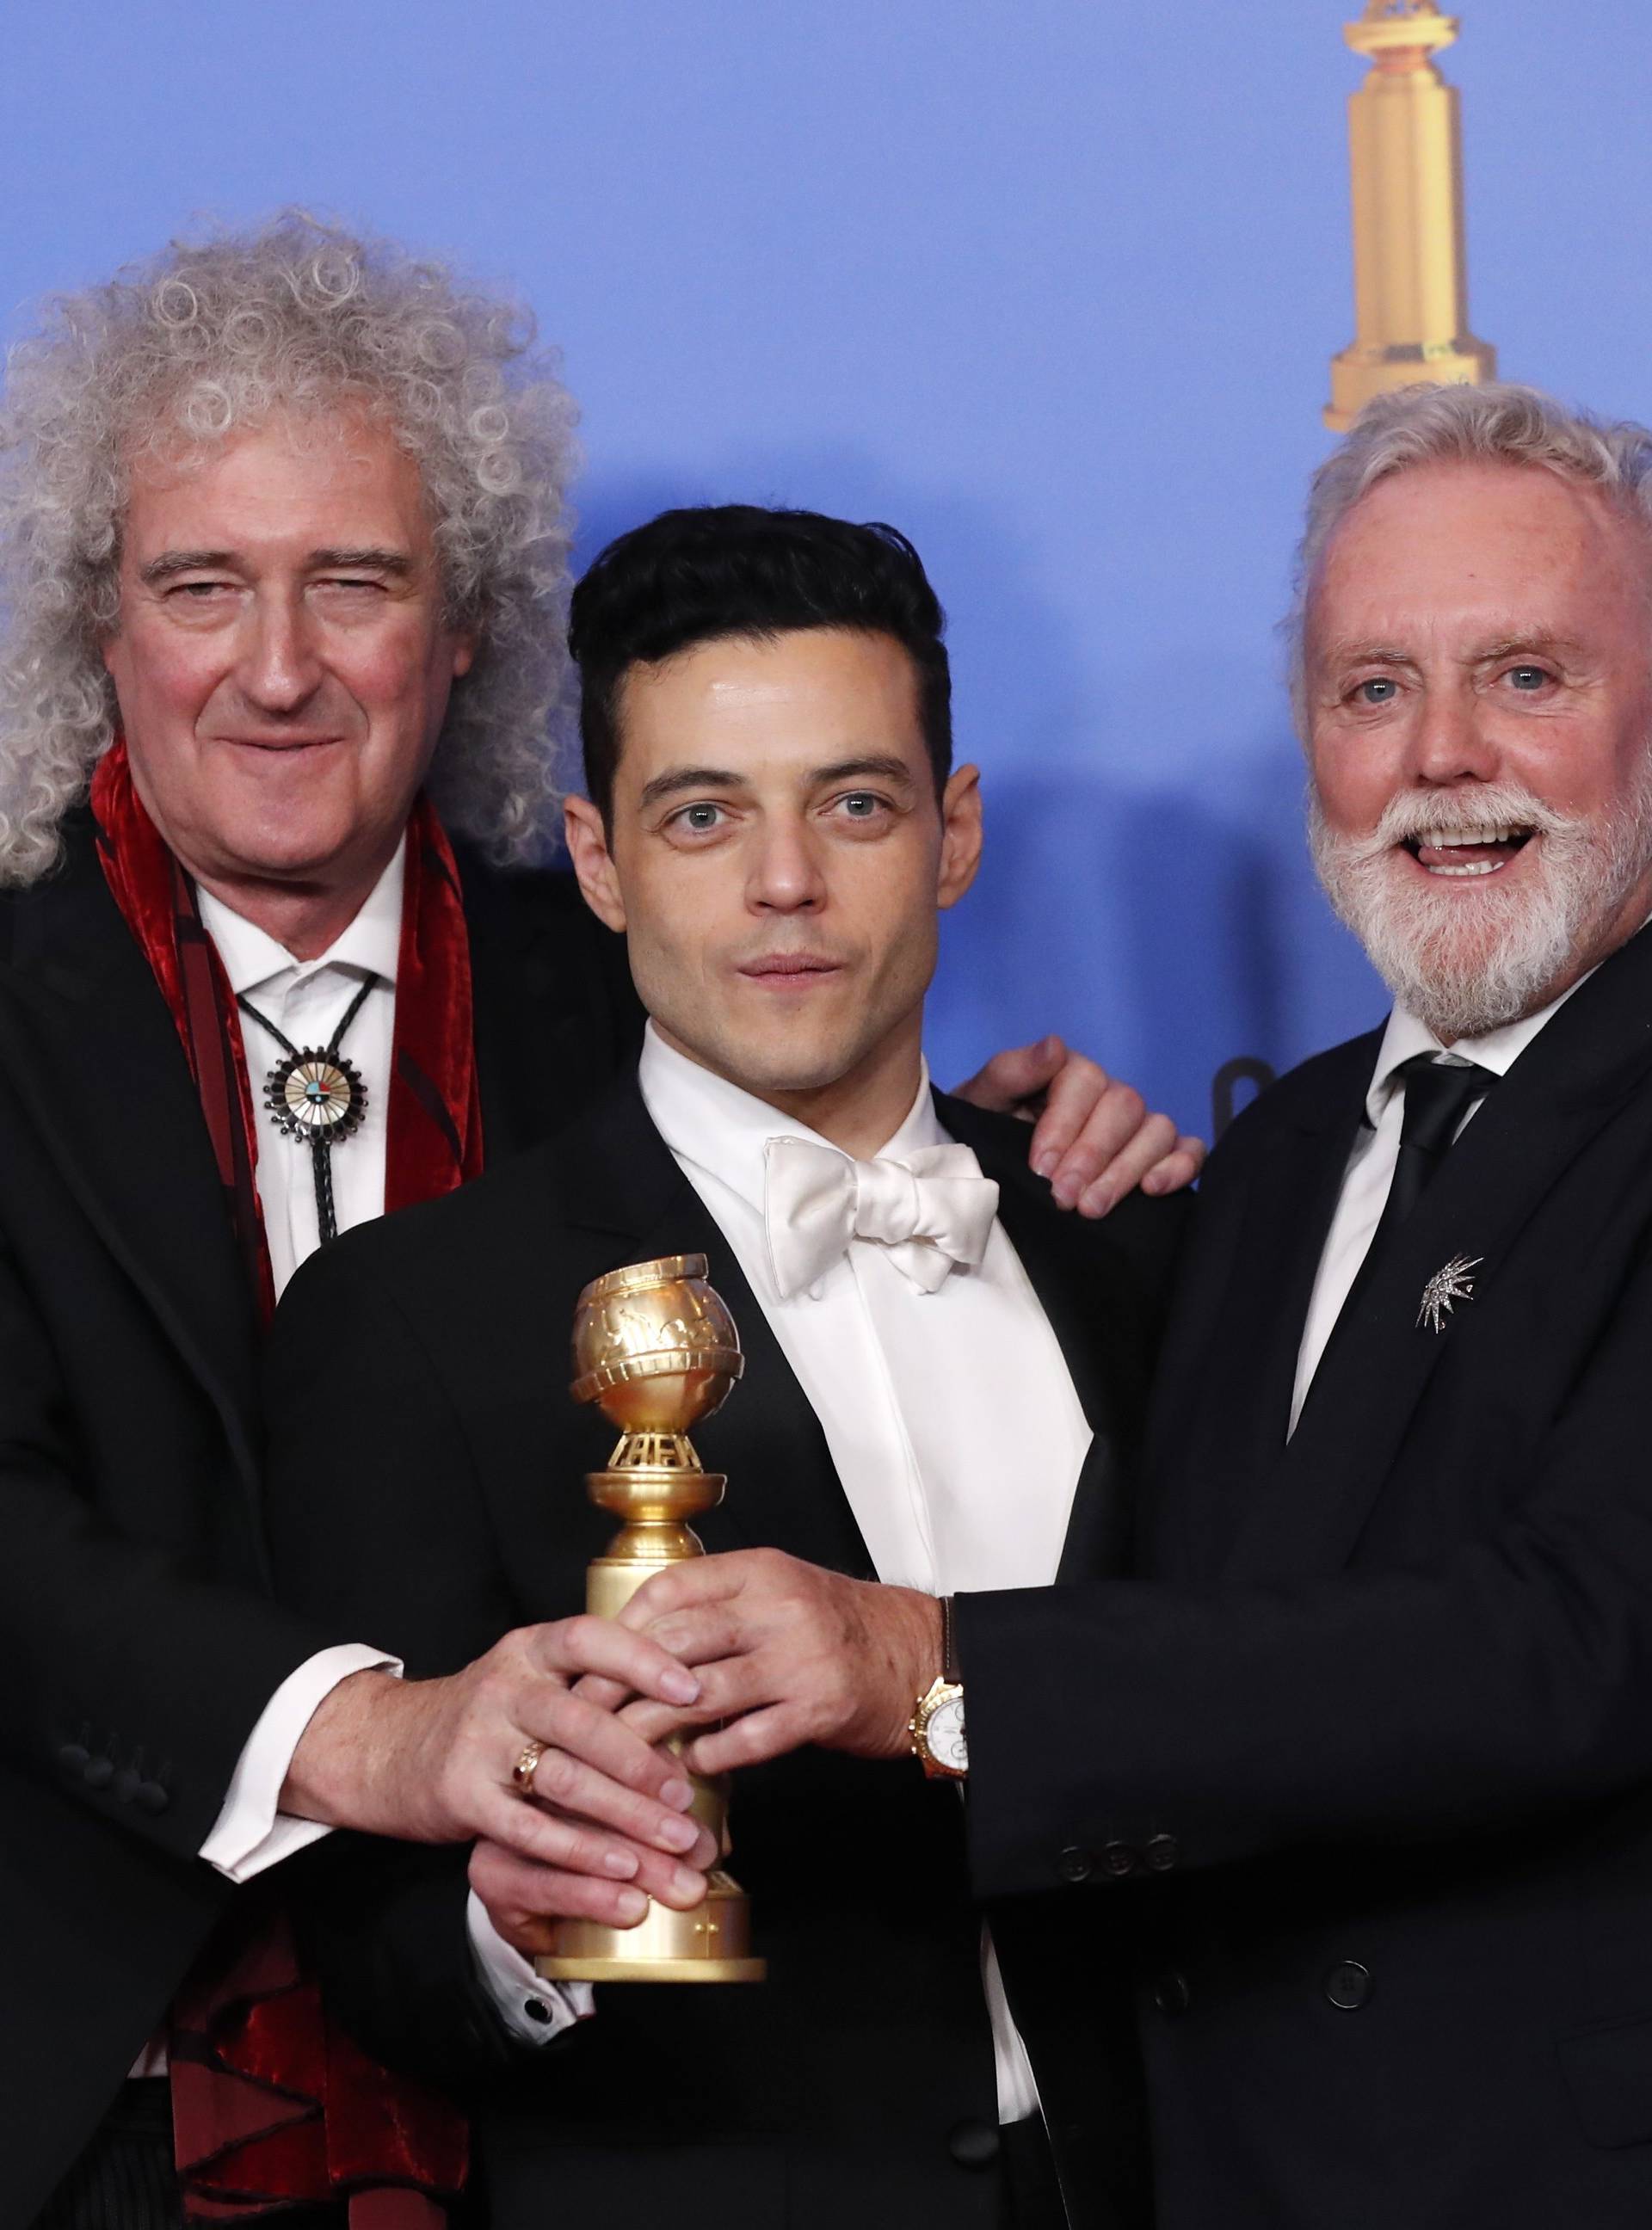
(736, 568)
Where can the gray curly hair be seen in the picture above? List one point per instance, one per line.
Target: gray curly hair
(1497, 423)
(208, 338)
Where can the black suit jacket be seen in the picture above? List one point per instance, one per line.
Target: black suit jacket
(1381, 1711)
(428, 1359)
(138, 1641)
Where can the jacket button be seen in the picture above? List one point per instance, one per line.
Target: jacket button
(1348, 1985)
(1119, 1860)
(74, 1757)
(1161, 1853)
(1171, 1995)
(1074, 1865)
(973, 2144)
(152, 1796)
(98, 1772)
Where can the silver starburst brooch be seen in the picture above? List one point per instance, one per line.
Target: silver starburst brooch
(1445, 1289)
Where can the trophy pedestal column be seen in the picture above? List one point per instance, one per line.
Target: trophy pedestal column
(713, 1942)
(1405, 152)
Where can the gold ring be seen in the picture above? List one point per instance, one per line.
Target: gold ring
(523, 1771)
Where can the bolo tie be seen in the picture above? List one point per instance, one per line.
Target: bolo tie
(318, 1097)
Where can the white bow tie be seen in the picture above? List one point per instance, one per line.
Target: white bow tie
(931, 1210)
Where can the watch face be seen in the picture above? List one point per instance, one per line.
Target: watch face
(944, 1733)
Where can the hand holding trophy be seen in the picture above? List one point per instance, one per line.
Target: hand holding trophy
(656, 1349)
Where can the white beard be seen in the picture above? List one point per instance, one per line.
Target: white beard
(1468, 958)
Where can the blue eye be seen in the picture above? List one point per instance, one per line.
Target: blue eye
(860, 805)
(1528, 676)
(1379, 690)
(699, 818)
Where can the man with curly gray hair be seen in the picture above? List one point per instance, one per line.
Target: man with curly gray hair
(283, 553)
(171, 360)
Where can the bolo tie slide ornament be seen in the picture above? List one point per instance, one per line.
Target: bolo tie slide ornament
(314, 1094)
(1445, 1289)
(317, 1097)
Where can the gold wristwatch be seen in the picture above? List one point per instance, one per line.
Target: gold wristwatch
(937, 1724)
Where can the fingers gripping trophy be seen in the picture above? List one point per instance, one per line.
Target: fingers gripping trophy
(656, 1349)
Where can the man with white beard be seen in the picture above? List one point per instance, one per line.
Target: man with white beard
(1359, 1765)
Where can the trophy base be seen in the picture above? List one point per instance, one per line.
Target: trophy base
(652, 1971)
(1362, 372)
(711, 1944)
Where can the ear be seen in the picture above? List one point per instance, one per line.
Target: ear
(587, 842)
(464, 654)
(960, 854)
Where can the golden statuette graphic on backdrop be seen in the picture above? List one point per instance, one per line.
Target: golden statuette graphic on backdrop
(656, 1350)
(1410, 282)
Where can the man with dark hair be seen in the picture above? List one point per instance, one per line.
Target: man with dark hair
(943, 1386)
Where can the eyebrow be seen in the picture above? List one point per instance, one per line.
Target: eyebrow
(185, 561)
(1537, 642)
(1354, 652)
(1530, 642)
(693, 777)
(875, 766)
(368, 560)
(170, 563)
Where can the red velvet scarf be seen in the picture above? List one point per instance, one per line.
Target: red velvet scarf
(271, 2103)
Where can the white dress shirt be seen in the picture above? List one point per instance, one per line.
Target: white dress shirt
(951, 1416)
(307, 999)
(1376, 1150)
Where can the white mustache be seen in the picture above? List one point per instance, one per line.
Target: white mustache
(1415, 813)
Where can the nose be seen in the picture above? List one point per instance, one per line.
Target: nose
(1451, 742)
(278, 670)
(785, 874)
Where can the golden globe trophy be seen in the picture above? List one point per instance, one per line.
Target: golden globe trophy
(1405, 153)
(655, 1349)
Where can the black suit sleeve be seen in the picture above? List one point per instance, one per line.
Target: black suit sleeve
(127, 1679)
(377, 1519)
(1512, 1678)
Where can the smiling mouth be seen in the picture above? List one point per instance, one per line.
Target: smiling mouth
(275, 744)
(1466, 851)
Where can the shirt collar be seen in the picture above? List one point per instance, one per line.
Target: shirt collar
(371, 942)
(708, 1121)
(1497, 1050)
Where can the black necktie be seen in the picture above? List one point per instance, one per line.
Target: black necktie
(1438, 1094)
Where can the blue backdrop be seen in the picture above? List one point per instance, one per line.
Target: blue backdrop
(1053, 287)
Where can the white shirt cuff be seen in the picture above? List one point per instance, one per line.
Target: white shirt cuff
(533, 2011)
(250, 1832)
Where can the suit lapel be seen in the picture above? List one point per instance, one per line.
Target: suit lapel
(88, 1045)
(1566, 1086)
(555, 1016)
(1222, 1390)
(517, 1057)
(783, 1487)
